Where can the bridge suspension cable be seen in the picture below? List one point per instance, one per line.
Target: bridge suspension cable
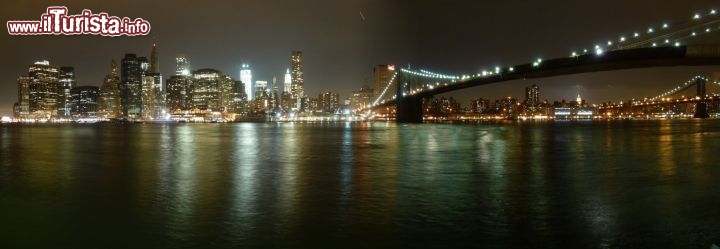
(666, 35)
(683, 86)
(387, 86)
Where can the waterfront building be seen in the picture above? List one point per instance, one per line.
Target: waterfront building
(328, 102)
(21, 109)
(131, 81)
(109, 102)
(298, 80)
(246, 77)
(84, 101)
(182, 65)
(44, 89)
(67, 82)
(362, 97)
(179, 88)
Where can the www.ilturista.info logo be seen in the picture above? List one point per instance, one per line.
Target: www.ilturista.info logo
(56, 22)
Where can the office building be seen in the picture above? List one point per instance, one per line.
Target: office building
(328, 102)
(179, 89)
(297, 79)
(44, 89)
(21, 109)
(182, 65)
(67, 82)
(246, 78)
(288, 81)
(84, 101)
(109, 102)
(131, 81)
(532, 96)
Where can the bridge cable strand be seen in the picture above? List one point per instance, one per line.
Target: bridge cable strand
(665, 35)
(683, 86)
(382, 94)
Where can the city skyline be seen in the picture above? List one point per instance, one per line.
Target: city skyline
(322, 69)
(360, 124)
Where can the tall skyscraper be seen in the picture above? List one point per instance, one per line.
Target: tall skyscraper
(532, 96)
(382, 74)
(109, 102)
(21, 109)
(67, 82)
(286, 104)
(246, 78)
(131, 79)
(157, 100)
(274, 88)
(148, 97)
(178, 94)
(44, 87)
(154, 60)
(182, 65)
(297, 78)
(239, 98)
(288, 81)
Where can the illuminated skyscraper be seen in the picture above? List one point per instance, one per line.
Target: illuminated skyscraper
(261, 86)
(109, 102)
(67, 82)
(274, 88)
(179, 91)
(131, 79)
(297, 78)
(157, 100)
(532, 96)
(328, 102)
(44, 87)
(21, 109)
(182, 65)
(287, 82)
(246, 78)
(83, 101)
(241, 105)
(148, 97)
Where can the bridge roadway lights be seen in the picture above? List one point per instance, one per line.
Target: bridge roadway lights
(409, 109)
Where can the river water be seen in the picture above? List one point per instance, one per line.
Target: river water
(622, 184)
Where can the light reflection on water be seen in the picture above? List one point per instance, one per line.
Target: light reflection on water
(360, 185)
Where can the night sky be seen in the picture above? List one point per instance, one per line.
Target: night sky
(340, 47)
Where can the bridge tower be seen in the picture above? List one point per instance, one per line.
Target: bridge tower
(701, 106)
(409, 108)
